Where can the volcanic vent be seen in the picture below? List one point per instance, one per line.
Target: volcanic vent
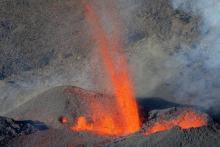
(124, 119)
(158, 127)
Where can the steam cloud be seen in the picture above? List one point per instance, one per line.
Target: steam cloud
(201, 72)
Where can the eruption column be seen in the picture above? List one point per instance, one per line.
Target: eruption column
(127, 120)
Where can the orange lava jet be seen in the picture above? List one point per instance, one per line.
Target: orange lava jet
(186, 120)
(118, 115)
(125, 118)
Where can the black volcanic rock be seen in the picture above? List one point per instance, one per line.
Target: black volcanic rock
(10, 129)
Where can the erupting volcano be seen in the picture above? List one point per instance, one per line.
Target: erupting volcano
(123, 118)
(126, 118)
(109, 73)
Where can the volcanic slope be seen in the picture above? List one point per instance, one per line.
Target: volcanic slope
(72, 102)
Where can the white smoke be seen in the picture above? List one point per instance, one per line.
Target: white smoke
(201, 73)
(209, 12)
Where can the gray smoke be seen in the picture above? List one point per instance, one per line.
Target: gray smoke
(201, 72)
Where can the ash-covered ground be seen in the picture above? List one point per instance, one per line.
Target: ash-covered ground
(172, 48)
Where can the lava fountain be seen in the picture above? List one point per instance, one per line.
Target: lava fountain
(126, 120)
(121, 117)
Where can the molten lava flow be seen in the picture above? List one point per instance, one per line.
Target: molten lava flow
(82, 124)
(186, 120)
(126, 120)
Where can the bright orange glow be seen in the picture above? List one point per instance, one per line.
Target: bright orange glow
(186, 120)
(119, 115)
(125, 118)
(82, 123)
(102, 126)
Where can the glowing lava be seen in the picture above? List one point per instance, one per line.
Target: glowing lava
(119, 115)
(186, 120)
(126, 119)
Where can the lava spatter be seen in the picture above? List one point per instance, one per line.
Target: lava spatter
(126, 120)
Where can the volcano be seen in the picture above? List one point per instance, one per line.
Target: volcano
(121, 52)
(73, 105)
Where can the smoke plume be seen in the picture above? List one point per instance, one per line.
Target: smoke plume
(201, 72)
